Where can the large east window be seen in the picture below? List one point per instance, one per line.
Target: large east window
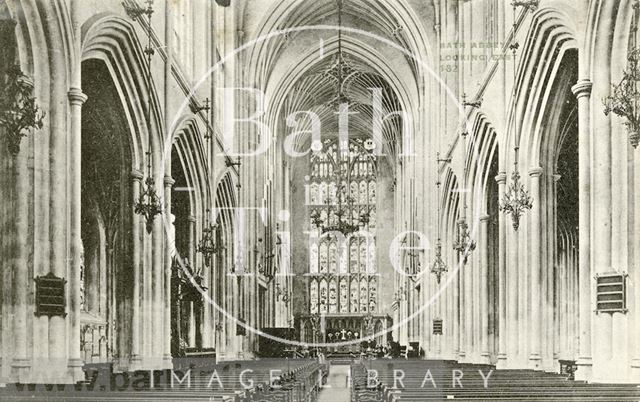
(341, 191)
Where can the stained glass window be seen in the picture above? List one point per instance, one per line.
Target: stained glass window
(353, 296)
(313, 258)
(363, 255)
(313, 297)
(333, 296)
(332, 257)
(324, 299)
(341, 272)
(313, 197)
(364, 295)
(373, 294)
(353, 255)
(344, 295)
(324, 256)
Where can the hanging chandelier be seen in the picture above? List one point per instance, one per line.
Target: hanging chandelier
(438, 267)
(516, 199)
(624, 100)
(341, 69)
(342, 210)
(344, 221)
(18, 109)
(464, 244)
(149, 204)
(530, 5)
(208, 245)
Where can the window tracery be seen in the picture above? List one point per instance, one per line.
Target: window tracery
(343, 270)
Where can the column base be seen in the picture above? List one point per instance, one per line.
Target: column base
(535, 361)
(485, 358)
(74, 367)
(135, 363)
(20, 370)
(167, 362)
(635, 370)
(146, 363)
(585, 369)
(502, 361)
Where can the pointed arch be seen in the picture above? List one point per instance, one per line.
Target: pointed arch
(113, 40)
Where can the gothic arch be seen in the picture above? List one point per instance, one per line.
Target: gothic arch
(547, 69)
(361, 52)
(387, 16)
(551, 35)
(191, 152)
(114, 40)
(482, 149)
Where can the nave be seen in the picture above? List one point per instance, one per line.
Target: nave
(237, 180)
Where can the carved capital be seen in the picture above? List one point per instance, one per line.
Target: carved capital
(501, 178)
(535, 171)
(582, 88)
(76, 97)
(137, 175)
(169, 181)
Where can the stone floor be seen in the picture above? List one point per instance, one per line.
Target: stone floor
(337, 388)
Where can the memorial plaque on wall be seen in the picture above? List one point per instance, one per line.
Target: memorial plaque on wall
(50, 296)
(437, 326)
(611, 293)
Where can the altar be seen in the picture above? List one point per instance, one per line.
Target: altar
(346, 331)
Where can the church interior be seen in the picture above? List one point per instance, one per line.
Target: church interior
(407, 190)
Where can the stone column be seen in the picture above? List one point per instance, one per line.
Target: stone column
(454, 298)
(501, 179)
(535, 315)
(76, 100)
(192, 239)
(469, 319)
(462, 322)
(514, 314)
(146, 299)
(136, 177)
(484, 289)
(582, 91)
(635, 278)
(21, 282)
(169, 245)
(207, 319)
(552, 325)
(563, 297)
(168, 182)
(157, 286)
(192, 325)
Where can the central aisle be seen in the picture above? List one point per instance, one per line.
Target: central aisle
(337, 387)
